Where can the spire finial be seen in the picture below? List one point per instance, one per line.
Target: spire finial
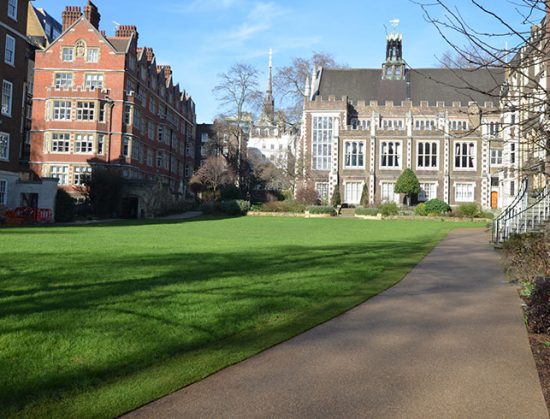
(270, 58)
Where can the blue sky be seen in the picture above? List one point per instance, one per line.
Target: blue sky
(201, 38)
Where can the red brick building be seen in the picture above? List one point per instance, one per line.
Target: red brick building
(104, 101)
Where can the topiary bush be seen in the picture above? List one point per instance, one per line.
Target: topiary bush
(235, 207)
(538, 307)
(389, 209)
(420, 209)
(408, 184)
(282, 206)
(364, 196)
(469, 210)
(366, 211)
(336, 198)
(321, 209)
(436, 206)
(65, 207)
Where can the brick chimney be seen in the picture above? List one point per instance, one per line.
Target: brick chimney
(92, 14)
(167, 71)
(70, 15)
(126, 31)
(149, 54)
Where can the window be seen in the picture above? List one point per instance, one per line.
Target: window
(85, 111)
(9, 55)
(61, 173)
(61, 110)
(426, 154)
(3, 191)
(60, 143)
(67, 54)
(354, 154)
(424, 124)
(92, 55)
(496, 157)
(63, 80)
(427, 191)
(102, 113)
(100, 143)
(84, 143)
(93, 81)
(160, 159)
(82, 175)
(322, 190)
(152, 106)
(458, 125)
(465, 155)
(390, 154)
(494, 128)
(149, 157)
(464, 192)
(352, 192)
(387, 193)
(7, 96)
(161, 134)
(512, 153)
(12, 9)
(126, 146)
(322, 140)
(4, 146)
(127, 114)
(512, 188)
(151, 129)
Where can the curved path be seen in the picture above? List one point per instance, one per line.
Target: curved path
(447, 341)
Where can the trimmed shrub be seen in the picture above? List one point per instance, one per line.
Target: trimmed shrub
(336, 198)
(229, 192)
(420, 209)
(389, 209)
(321, 209)
(364, 196)
(282, 206)
(487, 214)
(209, 207)
(65, 207)
(366, 211)
(436, 206)
(538, 307)
(408, 184)
(235, 207)
(470, 210)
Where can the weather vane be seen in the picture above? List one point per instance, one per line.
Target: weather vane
(394, 22)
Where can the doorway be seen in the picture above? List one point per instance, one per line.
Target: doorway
(494, 199)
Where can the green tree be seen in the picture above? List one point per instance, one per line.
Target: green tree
(407, 184)
(364, 196)
(336, 198)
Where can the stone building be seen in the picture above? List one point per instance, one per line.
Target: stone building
(18, 186)
(365, 126)
(103, 101)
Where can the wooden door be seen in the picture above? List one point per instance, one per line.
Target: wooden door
(494, 199)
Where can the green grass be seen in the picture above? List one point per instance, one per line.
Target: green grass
(98, 320)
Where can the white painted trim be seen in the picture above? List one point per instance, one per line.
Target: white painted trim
(364, 154)
(380, 167)
(436, 167)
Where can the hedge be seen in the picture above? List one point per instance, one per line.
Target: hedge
(321, 209)
(366, 211)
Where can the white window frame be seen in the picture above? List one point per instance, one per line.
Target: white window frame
(358, 143)
(395, 198)
(100, 149)
(399, 154)
(496, 157)
(7, 106)
(323, 190)
(62, 139)
(93, 81)
(85, 108)
(357, 193)
(12, 9)
(92, 55)
(423, 196)
(81, 174)
(5, 156)
(61, 112)
(10, 40)
(457, 190)
(3, 192)
(461, 156)
(61, 173)
(321, 150)
(63, 80)
(69, 57)
(84, 144)
(126, 146)
(425, 155)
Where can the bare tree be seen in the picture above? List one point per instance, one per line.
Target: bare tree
(213, 174)
(290, 82)
(239, 96)
(519, 47)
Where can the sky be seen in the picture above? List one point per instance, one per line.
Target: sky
(203, 38)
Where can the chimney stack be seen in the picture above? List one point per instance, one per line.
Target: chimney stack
(70, 15)
(149, 54)
(92, 14)
(126, 31)
(167, 71)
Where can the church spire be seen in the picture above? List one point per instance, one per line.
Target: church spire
(268, 109)
(394, 66)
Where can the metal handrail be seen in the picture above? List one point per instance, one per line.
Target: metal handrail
(517, 200)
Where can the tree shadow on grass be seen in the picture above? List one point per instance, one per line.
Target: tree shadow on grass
(168, 305)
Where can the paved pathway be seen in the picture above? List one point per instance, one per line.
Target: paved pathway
(446, 342)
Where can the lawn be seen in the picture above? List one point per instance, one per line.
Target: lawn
(98, 320)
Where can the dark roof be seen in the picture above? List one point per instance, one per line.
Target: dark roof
(120, 44)
(432, 85)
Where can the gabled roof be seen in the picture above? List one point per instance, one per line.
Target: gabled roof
(120, 44)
